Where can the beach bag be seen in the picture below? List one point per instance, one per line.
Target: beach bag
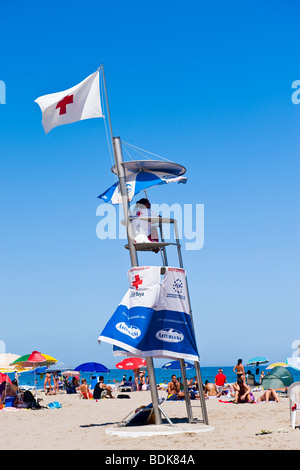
(31, 401)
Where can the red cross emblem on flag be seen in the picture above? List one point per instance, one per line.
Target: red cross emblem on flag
(62, 105)
(137, 281)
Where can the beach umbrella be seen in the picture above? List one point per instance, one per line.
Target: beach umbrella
(257, 360)
(60, 366)
(5, 360)
(70, 373)
(38, 370)
(31, 360)
(176, 365)
(92, 367)
(131, 363)
(4, 378)
(143, 174)
(277, 364)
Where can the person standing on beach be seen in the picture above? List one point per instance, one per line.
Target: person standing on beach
(47, 381)
(142, 380)
(262, 374)
(56, 381)
(136, 373)
(220, 380)
(239, 368)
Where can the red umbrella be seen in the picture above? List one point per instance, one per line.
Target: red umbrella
(131, 363)
(4, 378)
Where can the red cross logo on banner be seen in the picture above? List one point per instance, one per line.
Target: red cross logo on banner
(62, 105)
(137, 281)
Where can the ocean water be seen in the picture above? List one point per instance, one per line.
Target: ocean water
(207, 373)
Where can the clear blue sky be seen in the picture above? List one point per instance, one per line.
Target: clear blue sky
(205, 84)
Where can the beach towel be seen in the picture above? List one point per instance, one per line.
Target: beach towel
(54, 405)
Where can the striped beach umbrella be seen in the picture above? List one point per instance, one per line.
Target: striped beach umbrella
(5, 360)
(277, 364)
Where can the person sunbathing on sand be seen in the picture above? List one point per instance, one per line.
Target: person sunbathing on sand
(210, 390)
(268, 395)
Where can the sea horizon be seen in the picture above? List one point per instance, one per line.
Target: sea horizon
(161, 375)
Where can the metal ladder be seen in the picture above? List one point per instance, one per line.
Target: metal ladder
(200, 404)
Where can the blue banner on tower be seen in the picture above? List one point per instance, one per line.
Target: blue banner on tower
(153, 318)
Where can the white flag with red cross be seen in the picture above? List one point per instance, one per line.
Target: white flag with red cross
(80, 102)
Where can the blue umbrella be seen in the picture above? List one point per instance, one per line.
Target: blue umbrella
(141, 175)
(176, 365)
(38, 370)
(92, 367)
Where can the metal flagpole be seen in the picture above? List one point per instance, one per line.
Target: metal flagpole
(118, 156)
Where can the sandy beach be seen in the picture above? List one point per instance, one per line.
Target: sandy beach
(82, 424)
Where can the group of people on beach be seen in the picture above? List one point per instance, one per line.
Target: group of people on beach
(237, 392)
(11, 393)
(101, 390)
(240, 391)
(57, 381)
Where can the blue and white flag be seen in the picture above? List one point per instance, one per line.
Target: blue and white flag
(153, 318)
(137, 182)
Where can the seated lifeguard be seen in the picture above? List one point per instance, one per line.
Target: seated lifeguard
(144, 232)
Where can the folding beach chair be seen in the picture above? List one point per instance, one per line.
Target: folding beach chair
(143, 415)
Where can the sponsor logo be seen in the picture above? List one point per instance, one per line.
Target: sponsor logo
(177, 290)
(129, 189)
(176, 270)
(170, 335)
(132, 331)
(178, 286)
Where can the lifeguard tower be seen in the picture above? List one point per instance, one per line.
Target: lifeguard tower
(123, 170)
(195, 413)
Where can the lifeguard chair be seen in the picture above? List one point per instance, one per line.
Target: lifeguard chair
(143, 171)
